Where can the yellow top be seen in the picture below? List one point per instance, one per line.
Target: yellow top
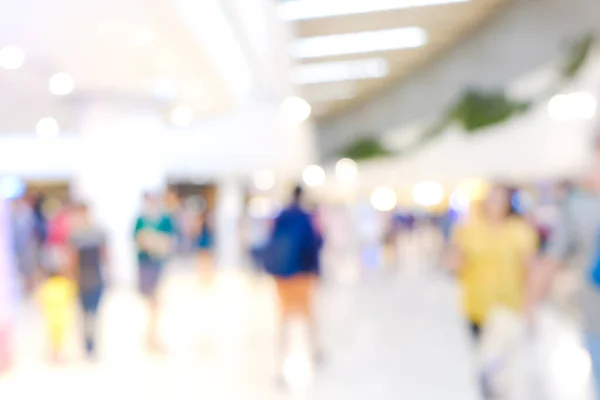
(493, 264)
(57, 296)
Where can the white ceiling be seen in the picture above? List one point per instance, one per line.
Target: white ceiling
(445, 22)
(137, 50)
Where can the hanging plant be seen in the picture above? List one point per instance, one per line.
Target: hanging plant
(477, 109)
(364, 149)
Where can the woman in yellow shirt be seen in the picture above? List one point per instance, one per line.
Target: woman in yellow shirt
(490, 254)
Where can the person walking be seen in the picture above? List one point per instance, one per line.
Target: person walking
(291, 257)
(204, 245)
(58, 237)
(155, 241)
(24, 241)
(575, 242)
(87, 245)
(491, 254)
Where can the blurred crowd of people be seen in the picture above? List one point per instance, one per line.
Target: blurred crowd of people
(60, 253)
(504, 255)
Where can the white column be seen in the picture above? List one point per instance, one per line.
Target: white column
(122, 158)
(229, 209)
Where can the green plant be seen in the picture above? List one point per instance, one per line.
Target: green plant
(477, 109)
(364, 149)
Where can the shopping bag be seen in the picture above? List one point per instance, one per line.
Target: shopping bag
(507, 357)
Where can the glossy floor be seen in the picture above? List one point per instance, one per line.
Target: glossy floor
(385, 336)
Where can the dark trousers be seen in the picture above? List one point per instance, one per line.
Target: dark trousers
(90, 300)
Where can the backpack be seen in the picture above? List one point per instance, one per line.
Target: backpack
(285, 251)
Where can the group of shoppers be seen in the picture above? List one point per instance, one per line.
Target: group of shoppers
(61, 255)
(73, 269)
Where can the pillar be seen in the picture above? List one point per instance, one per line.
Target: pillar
(123, 157)
(228, 217)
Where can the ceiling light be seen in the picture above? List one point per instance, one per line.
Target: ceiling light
(296, 109)
(47, 127)
(11, 57)
(428, 194)
(61, 84)
(329, 92)
(573, 107)
(312, 9)
(384, 199)
(264, 180)
(338, 71)
(182, 116)
(313, 176)
(346, 170)
(361, 42)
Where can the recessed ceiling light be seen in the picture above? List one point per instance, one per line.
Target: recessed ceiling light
(11, 57)
(361, 42)
(182, 116)
(296, 109)
(47, 127)
(61, 84)
(312, 9)
(338, 71)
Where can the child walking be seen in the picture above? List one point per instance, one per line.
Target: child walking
(57, 297)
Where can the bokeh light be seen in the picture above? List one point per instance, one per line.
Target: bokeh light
(47, 127)
(11, 57)
(264, 179)
(61, 84)
(428, 194)
(296, 109)
(313, 176)
(346, 170)
(384, 199)
(572, 107)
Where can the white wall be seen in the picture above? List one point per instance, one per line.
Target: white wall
(252, 138)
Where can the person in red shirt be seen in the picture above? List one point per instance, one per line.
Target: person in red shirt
(58, 238)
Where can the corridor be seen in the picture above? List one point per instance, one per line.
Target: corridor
(383, 338)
